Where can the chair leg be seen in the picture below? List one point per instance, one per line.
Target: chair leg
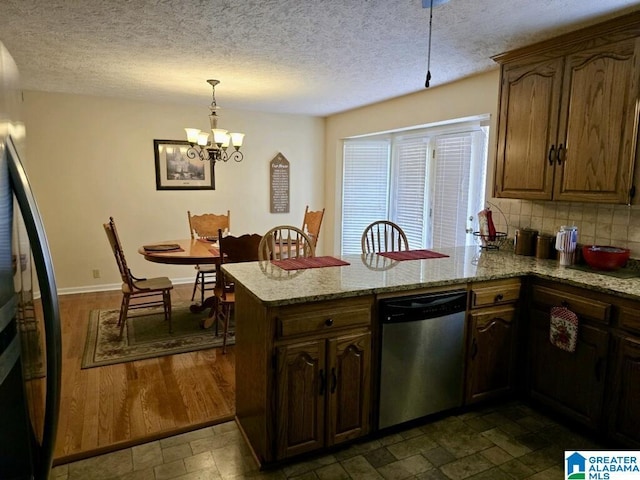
(195, 285)
(166, 297)
(226, 312)
(124, 311)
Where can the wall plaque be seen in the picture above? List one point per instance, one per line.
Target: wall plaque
(279, 184)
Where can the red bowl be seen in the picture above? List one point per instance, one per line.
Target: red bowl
(603, 257)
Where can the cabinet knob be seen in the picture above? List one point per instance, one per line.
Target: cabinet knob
(328, 322)
(498, 298)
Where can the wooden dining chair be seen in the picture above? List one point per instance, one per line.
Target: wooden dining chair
(145, 292)
(285, 241)
(383, 236)
(232, 250)
(206, 226)
(311, 223)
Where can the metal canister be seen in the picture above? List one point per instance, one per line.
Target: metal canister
(525, 241)
(544, 246)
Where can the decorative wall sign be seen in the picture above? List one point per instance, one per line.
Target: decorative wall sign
(279, 169)
(176, 171)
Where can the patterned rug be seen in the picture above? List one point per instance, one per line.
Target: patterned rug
(147, 335)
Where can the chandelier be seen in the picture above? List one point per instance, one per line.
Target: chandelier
(215, 149)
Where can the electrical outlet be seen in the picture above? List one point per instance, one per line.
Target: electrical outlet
(96, 273)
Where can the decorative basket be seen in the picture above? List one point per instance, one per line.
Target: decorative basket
(490, 242)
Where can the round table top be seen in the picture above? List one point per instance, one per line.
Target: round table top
(192, 252)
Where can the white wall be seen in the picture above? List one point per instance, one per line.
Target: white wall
(469, 97)
(89, 158)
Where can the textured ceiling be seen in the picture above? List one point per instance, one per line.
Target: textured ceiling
(289, 56)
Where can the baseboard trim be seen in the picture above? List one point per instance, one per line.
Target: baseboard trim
(107, 287)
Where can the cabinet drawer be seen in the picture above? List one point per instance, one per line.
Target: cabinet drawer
(312, 321)
(483, 296)
(582, 306)
(630, 318)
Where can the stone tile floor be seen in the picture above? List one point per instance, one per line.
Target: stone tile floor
(509, 441)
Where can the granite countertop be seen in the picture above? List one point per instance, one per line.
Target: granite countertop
(373, 274)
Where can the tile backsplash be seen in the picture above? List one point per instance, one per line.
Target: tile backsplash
(617, 225)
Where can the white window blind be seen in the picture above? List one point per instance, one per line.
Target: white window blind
(409, 183)
(451, 190)
(428, 181)
(365, 189)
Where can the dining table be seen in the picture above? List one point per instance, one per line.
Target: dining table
(189, 251)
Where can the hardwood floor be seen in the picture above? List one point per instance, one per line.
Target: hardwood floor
(111, 407)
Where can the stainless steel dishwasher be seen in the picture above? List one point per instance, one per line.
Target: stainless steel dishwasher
(422, 355)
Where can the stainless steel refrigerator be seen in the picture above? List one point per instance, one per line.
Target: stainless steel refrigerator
(30, 340)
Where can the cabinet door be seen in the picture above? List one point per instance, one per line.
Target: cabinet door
(349, 387)
(625, 414)
(491, 360)
(301, 384)
(572, 383)
(598, 124)
(527, 130)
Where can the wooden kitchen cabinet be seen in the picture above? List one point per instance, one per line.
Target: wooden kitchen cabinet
(303, 374)
(568, 116)
(570, 383)
(624, 420)
(322, 393)
(491, 340)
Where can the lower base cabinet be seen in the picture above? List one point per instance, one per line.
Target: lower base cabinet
(572, 383)
(491, 360)
(624, 424)
(322, 393)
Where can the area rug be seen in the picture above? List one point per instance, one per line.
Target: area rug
(147, 336)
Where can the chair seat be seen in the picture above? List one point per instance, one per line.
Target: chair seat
(158, 283)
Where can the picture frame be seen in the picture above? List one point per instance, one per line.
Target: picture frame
(176, 171)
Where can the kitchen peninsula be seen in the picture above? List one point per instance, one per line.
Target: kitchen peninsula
(307, 341)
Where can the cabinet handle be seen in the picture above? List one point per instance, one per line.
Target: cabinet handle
(328, 322)
(498, 298)
(552, 152)
(561, 154)
(474, 349)
(322, 382)
(334, 380)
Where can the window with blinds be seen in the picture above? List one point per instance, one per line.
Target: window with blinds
(428, 181)
(365, 189)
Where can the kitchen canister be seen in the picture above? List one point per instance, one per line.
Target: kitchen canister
(545, 246)
(525, 241)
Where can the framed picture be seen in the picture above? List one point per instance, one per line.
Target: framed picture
(176, 171)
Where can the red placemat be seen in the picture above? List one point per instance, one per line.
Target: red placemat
(309, 262)
(412, 255)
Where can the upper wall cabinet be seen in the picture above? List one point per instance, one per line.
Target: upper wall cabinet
(568, 116)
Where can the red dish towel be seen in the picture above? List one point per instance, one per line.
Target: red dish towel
(563, 332)
(413, 255)
(309, 262)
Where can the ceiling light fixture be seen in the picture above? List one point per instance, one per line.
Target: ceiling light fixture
(216, 149)
(430, 4)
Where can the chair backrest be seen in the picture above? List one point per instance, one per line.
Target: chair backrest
(311, 223)
(208, 224)
(116, 247)
(384, 236)
(286, 241)
(239, 249)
